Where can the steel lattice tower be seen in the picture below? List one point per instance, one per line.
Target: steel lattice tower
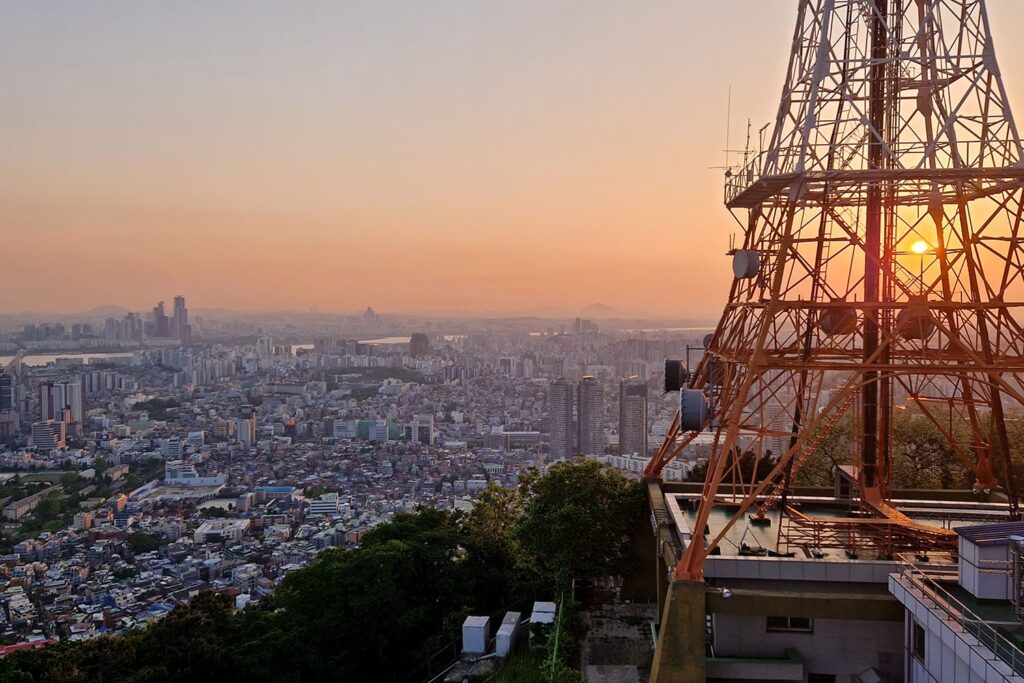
(881, 255)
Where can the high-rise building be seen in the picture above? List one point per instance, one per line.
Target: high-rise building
(161, 325)
(68, 396)
(421, 430)
(245, 426)
(585, 326)
(181, 326)
(59, 399)
(639, 369)
(633, 417)
(8, 410)
(264, 347)
(130, 327)
(6, 392)
(561, 397)
(590, 416)
(133, 326)
(46, 409)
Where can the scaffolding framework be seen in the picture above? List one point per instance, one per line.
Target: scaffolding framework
(881, 260)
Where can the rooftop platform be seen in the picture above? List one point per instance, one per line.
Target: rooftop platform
(749, 539)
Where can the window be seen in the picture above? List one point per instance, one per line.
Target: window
(790, 625)
(917, 639)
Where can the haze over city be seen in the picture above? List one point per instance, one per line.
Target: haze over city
(443, 157)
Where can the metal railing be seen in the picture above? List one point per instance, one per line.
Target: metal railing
(929, 578)
(737, 180)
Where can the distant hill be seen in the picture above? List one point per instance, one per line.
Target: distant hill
(107, 311)
(601, 311)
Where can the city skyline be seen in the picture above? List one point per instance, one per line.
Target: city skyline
(550, 146)
(596, 310)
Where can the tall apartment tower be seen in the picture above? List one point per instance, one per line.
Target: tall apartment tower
(6, 392)
(46, 408)
(67, 396)
(181, 326)
(264, 347)
(633, 417)
(590, 416)
(8, 410)
(245, 426)
(134, 326)
(161, 324)
(561, 397)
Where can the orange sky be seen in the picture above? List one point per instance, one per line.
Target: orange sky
(442, 156)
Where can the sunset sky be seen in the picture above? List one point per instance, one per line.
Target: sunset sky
(441, 156)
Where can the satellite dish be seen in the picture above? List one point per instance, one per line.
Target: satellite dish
(839, 321)
(707, 340)
(745, 264)
(676, 375)
(915, 321)
(693, 410)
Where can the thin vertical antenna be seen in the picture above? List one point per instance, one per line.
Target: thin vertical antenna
(728, 125)
(746, 147)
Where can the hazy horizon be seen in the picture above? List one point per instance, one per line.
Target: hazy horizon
(456, 156)
(551, 313)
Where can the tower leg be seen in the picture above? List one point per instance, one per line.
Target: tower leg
(680, 656)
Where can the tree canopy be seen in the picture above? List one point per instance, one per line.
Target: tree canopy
(577, 520)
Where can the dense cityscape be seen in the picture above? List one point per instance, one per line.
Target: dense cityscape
(134, 479)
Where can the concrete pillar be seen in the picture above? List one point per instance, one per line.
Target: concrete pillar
(679, 656)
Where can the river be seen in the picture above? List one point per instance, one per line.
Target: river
(40, 359)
